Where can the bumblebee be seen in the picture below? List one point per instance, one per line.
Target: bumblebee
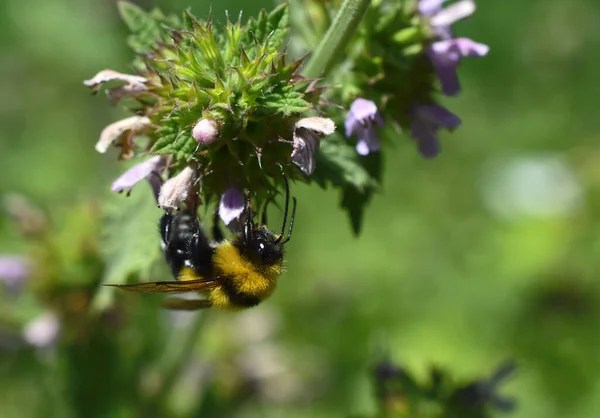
(230, 274)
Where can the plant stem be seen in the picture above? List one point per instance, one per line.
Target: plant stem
(337, 37)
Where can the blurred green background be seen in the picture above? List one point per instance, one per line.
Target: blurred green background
(489, 252)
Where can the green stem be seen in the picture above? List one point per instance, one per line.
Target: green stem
(181, 344)
(337, 37)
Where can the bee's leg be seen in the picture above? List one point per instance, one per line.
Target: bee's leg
(217, 232)
(181, 304)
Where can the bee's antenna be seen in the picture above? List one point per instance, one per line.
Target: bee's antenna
(287, 206)
(291, 222)
(247, 219)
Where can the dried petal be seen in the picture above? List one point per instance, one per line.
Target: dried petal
(206, 131)
(114, 131)
(176, 190)
(307, 135)
(231, 205)
(137, 173)
(116, 80)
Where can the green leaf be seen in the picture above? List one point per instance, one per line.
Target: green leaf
(145, 27)
(355, 200)
(269, 28)
(129, 243)
(358, 177)
(286, 103)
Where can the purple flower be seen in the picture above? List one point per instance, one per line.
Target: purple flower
(446, 53)
(231, 205)
(14, 270)
(149, 169)
(427, 120)
(361, 119)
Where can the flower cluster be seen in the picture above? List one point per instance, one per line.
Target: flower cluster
(401, 394)
(411, 104)
(221, 111)
(220, 108)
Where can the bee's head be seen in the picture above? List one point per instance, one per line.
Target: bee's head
(260, 243)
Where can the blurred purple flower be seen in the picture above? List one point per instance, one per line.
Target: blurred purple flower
(427, 120)
(149, 169)
(14, 270)
(231, 205)
(361, 119)
(446, 53)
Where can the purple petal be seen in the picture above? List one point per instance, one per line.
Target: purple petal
(367, 141)
(453, 13)
(350, 123)
(363, 109)
(14, 270)
(138, 173)
(231, 205)
(429, 7)
(426, 138)
(469, 48)
(437, 117)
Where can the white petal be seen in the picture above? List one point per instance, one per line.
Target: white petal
(175, 191)
(43, 330)
(321, 126)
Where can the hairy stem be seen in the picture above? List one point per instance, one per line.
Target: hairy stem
(333, 45)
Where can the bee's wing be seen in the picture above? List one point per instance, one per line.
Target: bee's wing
(171, 286)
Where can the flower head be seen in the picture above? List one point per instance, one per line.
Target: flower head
(176, 190)
(150, 168)
(307, 136)
(445, 53)
(427, 120)
(231, 205)
(361, 119)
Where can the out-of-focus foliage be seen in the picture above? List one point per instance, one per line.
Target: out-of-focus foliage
(486, 253)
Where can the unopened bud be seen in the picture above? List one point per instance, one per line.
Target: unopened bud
(206, 131)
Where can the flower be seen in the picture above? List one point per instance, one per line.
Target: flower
(445, 54)
(43, 331)
(206, 131)
(176, 190)
(361, 119)
(231, 205)
(445, 57)
(114, 131)
(152, 167)
(14, 270)
(427, 120)
(307, 133)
